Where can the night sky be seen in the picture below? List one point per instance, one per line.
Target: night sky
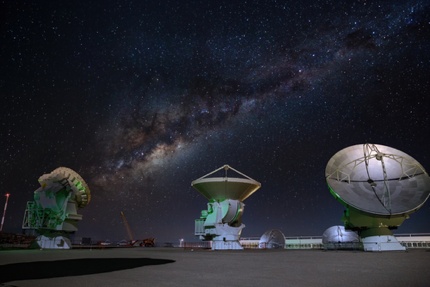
(143, 97)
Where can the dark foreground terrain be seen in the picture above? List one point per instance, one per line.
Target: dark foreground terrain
(179, 267)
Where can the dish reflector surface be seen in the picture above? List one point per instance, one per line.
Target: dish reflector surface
(221, 188)
(378, 179)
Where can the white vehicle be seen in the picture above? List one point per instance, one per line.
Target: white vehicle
(106, 242)
(122, 243)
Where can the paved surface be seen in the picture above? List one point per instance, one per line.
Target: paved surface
(179, 267)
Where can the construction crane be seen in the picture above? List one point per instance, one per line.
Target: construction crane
(127, 227)
(147, 242)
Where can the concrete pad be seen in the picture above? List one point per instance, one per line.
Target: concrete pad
(186, 267)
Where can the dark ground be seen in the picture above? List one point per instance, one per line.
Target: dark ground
(179, 267)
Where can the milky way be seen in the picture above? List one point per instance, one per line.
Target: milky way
(143, 98)
(149, 128)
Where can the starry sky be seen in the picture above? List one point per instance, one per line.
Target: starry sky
(143, 97)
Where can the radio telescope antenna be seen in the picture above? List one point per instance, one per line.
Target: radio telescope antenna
(380, 187)
(336, 237)
(272, 239)
(53, 213)
(221, 223)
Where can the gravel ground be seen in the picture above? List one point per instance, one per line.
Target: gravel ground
(179, 267)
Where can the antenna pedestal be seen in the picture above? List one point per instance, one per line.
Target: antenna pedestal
(221, 223)
(374, 230)
(380, 239)
(228, 238)
(54, 242)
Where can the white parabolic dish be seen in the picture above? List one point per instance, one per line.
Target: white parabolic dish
(378, 179)
(220, 188)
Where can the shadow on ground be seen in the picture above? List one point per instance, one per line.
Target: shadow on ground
(72, 267)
